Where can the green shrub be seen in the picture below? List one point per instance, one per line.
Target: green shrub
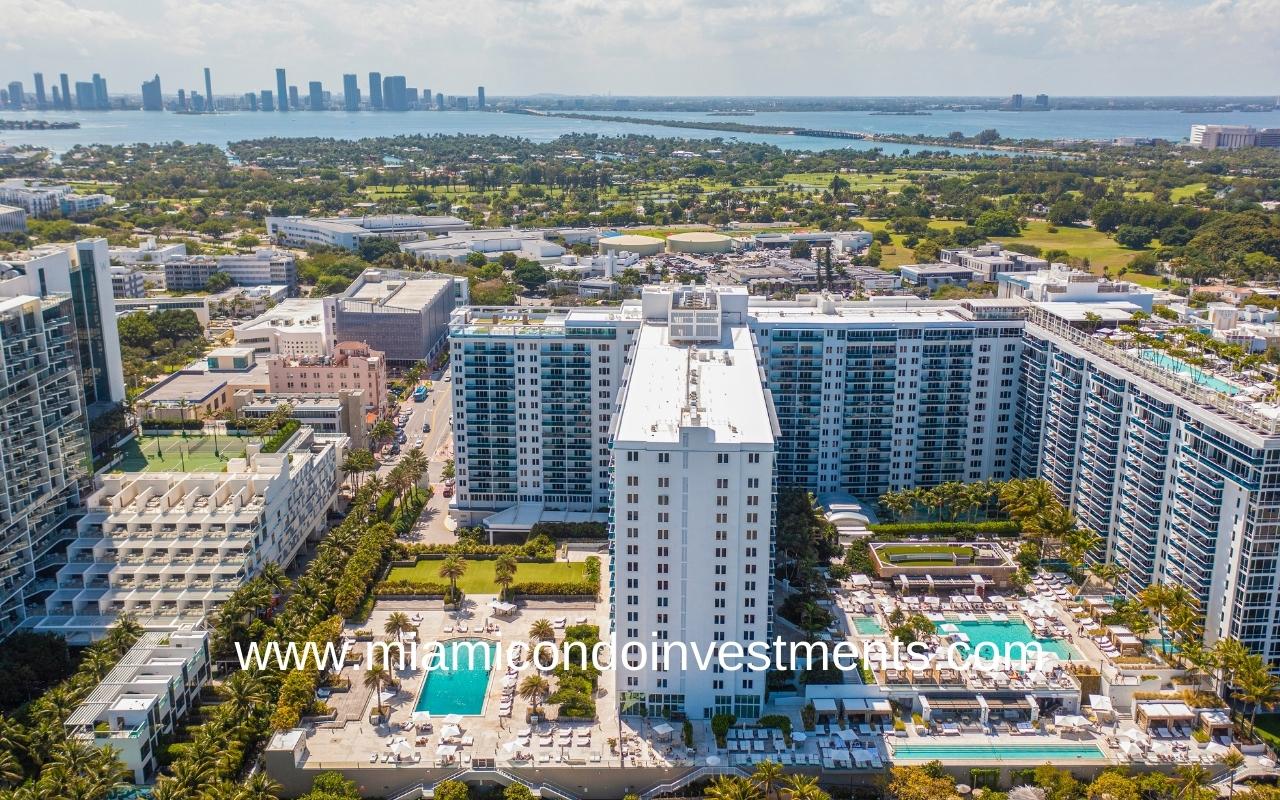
(570, 530)
(955, 530)
(281, 436)
(720, 725)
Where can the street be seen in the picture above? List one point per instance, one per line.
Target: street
(438, 446)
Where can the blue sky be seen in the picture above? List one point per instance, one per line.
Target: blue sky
(688, 47)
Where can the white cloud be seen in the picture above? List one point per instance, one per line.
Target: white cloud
(846, 47)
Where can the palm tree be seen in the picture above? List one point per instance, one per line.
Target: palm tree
(542, 631)
(10, 770)
(1233, 760)
(504, 572)
(1229, 655)
(767, 775)
(1193, 779)
(1051, 526)
(1077, 544)
(1257, 687)
(533, 688)
(451, 569)
(193, 776)
(397, 625)
(415, 462)
(375, 677)
(732, 787)
(1108, 573)
(899, 503)
(244, 692)
(356, 463)
(804, 787)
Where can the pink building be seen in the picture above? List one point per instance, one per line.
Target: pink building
(353, 366)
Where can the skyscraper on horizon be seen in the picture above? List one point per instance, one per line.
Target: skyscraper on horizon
(480, 98)
(282, 90)
(17, 95)
(350, 92)
(316, 91)
(152, 99)
(41, 102)
(101, 101)
(294, 102)
(375, 91)
(268, 100)
(208, 91)
(440, 101)
(86, 96)
(66, 91)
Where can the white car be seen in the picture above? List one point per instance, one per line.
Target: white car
(417, 442)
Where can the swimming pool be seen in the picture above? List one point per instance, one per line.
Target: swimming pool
(1183, 368)
(1002, 752)
(867, 626)
(458, 679)
(1009, 632)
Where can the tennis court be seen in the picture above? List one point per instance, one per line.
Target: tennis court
(197, 453)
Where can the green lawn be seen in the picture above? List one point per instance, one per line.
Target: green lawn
(479, 577)
(1099, 248)
(195, 453)
(906, 549)
(1190, 190)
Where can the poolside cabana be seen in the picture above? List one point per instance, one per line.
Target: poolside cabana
(1101, 705)
(1124, 640)
(825, 707)
(1166, 716)
(1217, 724)
(868, 710)
(946, 711)
(500, 609)
(1012, 710)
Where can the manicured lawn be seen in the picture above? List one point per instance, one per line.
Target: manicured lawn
(479, 577)
(1099, 248)
(180, 453)
(1190, 190)
(905, 549)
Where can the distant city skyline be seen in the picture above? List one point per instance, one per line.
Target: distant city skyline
(664, 47)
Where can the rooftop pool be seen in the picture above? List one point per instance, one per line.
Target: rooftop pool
(1181, 367)
(867, 626)
(458, 678)
(1002, 634)
(991, 752)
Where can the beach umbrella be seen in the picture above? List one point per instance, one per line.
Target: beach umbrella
(420, 717)
(799, 736)
(713, 761)
(401, 749)
(450, 731)
(663, 729)
(963, 788)
(1215, 749)
(1133, 734)
(453, 719)
(1026, 793)
(446, 750)
(513, 745)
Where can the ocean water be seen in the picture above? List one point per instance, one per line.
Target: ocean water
(127, 127)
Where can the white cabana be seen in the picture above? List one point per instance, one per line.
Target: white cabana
(446, 749)
(1100, 703)
(420, 717)
(453, 719)
(498, 608)
(450, 731)
(663, 729)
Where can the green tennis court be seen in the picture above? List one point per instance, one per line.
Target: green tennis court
(169, 453)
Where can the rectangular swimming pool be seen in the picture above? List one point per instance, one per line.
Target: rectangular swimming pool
(1009, 632)
(990, 752)
(1181, 367)
(867, 626)
(458, 678)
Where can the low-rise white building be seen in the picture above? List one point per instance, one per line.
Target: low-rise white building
(12, 219)
(349, 232)
(456, 246)
(989, 260)
(143, 698)
(149, 252)
(296, 327)
(1063, 284)
(128, 283)
(171, 547)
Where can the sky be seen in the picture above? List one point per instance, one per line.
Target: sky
(662, 47)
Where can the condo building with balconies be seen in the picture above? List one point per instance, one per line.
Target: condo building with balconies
(171, 547)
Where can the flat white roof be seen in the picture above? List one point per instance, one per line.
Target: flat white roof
(297, 314)
(720, 377)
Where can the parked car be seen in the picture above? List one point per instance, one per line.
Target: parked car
(426, 427)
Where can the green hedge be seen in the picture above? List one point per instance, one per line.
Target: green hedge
(282, 435)
(531, 589)
(538, 549)
(958, 530)
(571, 530)
(173, 424)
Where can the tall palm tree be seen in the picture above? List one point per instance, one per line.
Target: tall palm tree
(1257, 687)
(767, 776)
(397, 625)
(1051, 526)
(732, 787)
(1107, 573)
(533, 688)
(1192, 781)
(1229, 655)
(542, 631)
(244, 692)
(451, 569)
(504, 572)
(804, 787)
(10, 770)
(375, 677)
(1232, 760)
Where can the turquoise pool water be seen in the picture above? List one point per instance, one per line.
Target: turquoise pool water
(867, 626)
(1012, 631)
(1003, 752)
(1182, 368)
(458, 679)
